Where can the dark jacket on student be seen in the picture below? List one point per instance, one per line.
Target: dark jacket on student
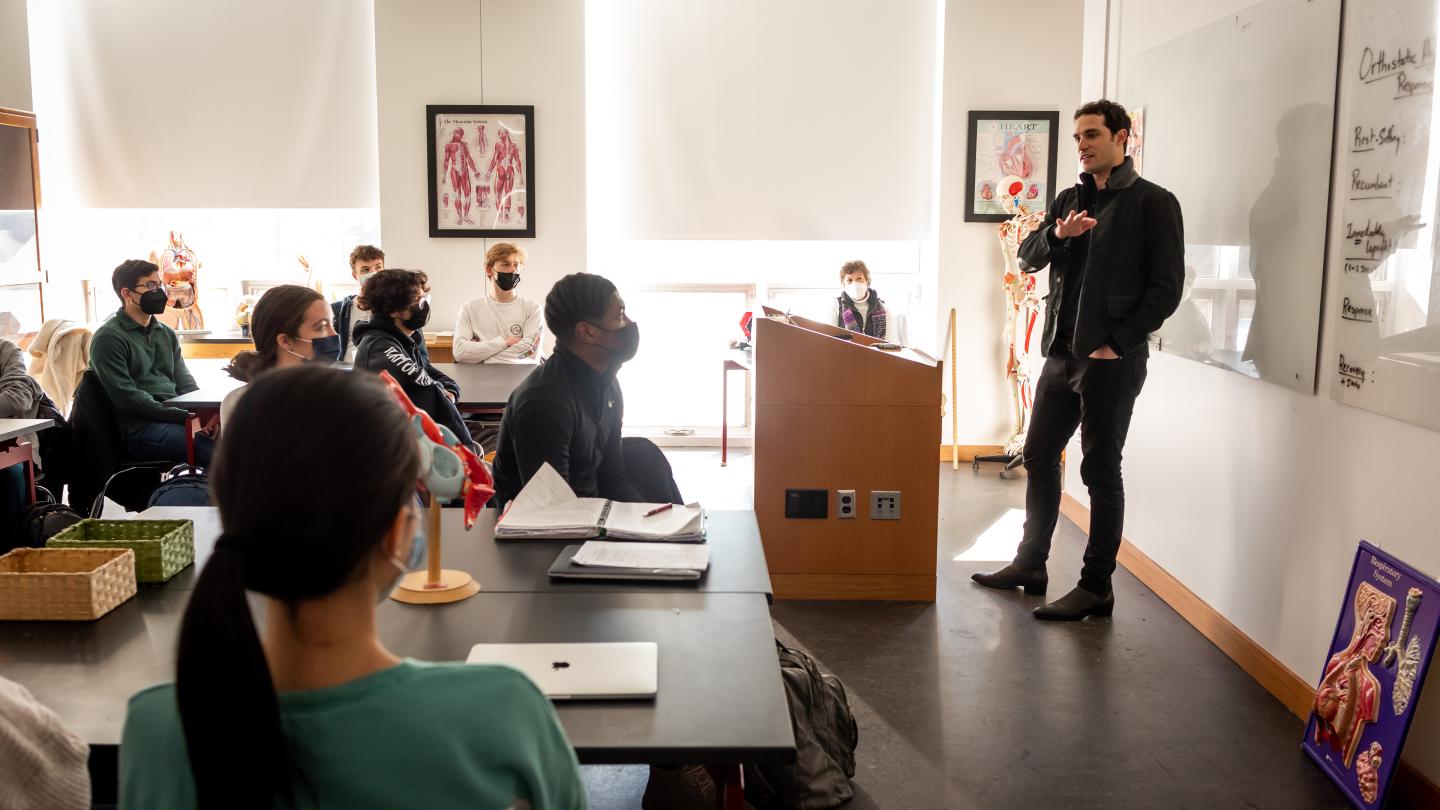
(568, 414)
(1130, 266)
(383, 347)
(140, 367)
(343, 315)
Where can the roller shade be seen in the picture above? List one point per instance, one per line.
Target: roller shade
(185, 104)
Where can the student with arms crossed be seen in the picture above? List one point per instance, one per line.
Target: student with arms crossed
(391, 341)
(500, 327)
(313, 711)
(137, 361)
(568, 412)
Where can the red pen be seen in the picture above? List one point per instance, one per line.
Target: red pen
(657, 510)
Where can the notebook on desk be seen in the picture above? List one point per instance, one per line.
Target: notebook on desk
(644, 562)
(548, 507)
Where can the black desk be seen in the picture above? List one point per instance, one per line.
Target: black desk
(206, 399)
(737, 559)
(485, 388)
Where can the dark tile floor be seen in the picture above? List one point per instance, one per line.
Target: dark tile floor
(972, 703)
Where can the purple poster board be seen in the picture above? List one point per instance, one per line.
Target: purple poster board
(1373, 673)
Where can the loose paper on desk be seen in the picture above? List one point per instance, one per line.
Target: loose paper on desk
(686, 556)
(548, 507)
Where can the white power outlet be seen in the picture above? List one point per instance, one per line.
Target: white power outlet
(885, 505)
(845, 504)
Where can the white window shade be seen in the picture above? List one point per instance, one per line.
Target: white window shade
(755, 119)
(182, 104)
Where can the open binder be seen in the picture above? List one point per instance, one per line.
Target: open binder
(548, 507)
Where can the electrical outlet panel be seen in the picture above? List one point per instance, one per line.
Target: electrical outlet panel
(885, 505)
(845, 504)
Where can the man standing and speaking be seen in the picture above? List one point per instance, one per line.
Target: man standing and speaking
(1115, 246)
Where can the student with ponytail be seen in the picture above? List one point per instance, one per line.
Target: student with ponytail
(290, 325)
(313, 711)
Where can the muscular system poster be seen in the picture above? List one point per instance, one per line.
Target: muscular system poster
(481, 173)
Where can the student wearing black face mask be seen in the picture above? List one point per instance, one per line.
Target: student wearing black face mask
(137, 361)
(501, 327)
(391, 342)
(568, 412)
(290, 326)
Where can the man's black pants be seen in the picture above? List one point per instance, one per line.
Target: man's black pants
(649, 471)
(1099, 397)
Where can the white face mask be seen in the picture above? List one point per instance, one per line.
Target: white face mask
(363, 277)
(857, 290)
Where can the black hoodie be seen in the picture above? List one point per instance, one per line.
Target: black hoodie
(381, 346)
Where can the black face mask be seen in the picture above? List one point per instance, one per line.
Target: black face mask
(507, 281)
(629, 343)
(153, 302)
(419, 316)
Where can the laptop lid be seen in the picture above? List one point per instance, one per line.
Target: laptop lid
(580, 671)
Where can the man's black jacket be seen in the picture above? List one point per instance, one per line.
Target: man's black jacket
(569, 415)
(1135, 269)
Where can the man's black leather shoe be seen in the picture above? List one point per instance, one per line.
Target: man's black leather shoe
(1076, 605)
(1013, 576)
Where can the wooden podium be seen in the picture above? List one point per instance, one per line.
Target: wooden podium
(837, 414)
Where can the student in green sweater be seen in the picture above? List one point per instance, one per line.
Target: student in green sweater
(313, 711)
(137, 360)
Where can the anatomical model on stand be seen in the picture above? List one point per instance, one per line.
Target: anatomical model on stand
(1022, 311)
(179, 274)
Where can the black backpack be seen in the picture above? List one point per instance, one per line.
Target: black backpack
(183, 487)
(44, 520)
(825, 740)
(57, 457)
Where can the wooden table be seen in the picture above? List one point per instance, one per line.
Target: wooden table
(13, 451)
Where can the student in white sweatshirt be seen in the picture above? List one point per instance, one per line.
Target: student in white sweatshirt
(501, 327)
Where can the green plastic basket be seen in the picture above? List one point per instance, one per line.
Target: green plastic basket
(162, 547)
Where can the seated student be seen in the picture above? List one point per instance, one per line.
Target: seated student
(290, 325)
(43, 765)
(569, 410)
(860, 309)
(315, 709)
(500, 327)
(137, 361)
(365, 261)
(392, 342)
(20, 397)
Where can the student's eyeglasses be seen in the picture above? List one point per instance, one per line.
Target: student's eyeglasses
(149, 286)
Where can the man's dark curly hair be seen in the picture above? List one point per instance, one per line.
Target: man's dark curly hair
(575, 298)
(393, 290)
(1116, 118)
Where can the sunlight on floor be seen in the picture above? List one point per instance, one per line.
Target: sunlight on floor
(997, 543)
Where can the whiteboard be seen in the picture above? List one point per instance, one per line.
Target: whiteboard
(1385, 308)
(1238, 120)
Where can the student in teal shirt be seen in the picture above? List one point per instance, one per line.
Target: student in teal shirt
(315, 712)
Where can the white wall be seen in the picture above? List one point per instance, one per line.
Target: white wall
(1255, 496)
(474, 52)
(980, 73)
(14, 56)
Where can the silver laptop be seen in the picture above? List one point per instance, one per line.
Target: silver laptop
(580, 671)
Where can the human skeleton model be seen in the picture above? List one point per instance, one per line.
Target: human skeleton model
(1407, 656)
(1021, 312)
(459, 166)
(1367, 772)
(179, 274)
(1349, 695)
(503, 164)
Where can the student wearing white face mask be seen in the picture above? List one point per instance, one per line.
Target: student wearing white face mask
(860, 309)
(365, 261)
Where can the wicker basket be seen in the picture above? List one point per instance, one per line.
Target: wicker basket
(64, 584)
(162, 547)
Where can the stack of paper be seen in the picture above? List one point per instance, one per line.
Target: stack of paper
(548, 507)
(655, 556)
